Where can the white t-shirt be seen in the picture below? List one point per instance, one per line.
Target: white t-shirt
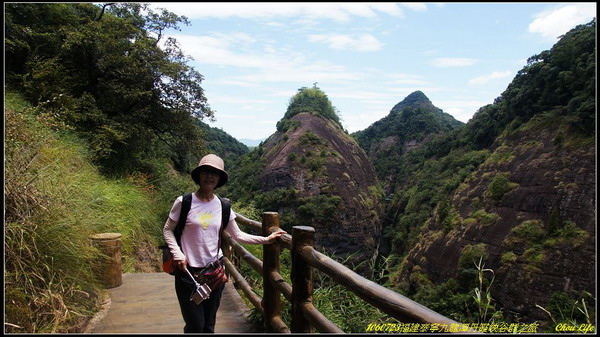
(200, 237)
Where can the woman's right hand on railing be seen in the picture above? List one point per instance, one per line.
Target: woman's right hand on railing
(275, 235)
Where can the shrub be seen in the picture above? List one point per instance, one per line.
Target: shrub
(485, 218)
(318, 209)
(310, 138)
(311, 100)
(508, 258)
(470, 254)
(569, 233)
(529, 231)
(570, 308)
(499, 186)
(534, 255)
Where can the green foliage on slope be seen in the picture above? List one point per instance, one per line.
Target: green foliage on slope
(55, 198)
(410, 121)
(311, 100)
(539, 98)
(224, 145)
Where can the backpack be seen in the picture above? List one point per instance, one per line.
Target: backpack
(168, 265)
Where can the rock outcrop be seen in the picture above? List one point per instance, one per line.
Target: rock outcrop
(531, 206)
(326, 169)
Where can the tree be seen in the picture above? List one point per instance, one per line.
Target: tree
(101, 70)
(312, 100)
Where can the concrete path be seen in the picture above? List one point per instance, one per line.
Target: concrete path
(146, 303)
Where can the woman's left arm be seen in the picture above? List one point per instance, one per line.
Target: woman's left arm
(240, 236)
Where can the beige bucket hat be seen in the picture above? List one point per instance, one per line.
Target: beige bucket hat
(215, 162)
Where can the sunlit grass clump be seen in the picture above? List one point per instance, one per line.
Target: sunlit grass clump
(54, 200)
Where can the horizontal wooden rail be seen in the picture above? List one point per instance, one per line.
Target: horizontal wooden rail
(388, 301)
(244, 254)
(285, 240)
(299, 293)
(281, 285)
(240, 219)
(318, 320)
(241, 283)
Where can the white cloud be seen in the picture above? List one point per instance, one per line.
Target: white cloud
(556, 22)
(462, 110)
(363, 42)
(406, 79)
(236, 49)
(415, 6)
(340, 12)
(301, 74)
(487, 78)
(234, 82)
(447, 62)
(270, 64)
(357, 94)
(238, 100)
(359, 122)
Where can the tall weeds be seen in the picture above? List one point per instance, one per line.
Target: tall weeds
(483, 293)
(54, 200)
(571, 309)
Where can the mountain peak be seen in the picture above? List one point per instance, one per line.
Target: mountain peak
(316, 161)
(417, 96)
(415, 99)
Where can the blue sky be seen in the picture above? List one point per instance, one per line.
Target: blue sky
(365, 56)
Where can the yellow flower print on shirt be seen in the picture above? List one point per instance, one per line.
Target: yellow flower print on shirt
(205, 219)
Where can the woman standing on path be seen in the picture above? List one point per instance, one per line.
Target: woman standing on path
(200, 242)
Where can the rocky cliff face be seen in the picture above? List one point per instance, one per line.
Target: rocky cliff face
(317, 160)
(531, 207)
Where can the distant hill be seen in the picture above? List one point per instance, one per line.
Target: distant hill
(251, 142)
(513, 192)
(223, 144)
(313, 173)
(411, 123)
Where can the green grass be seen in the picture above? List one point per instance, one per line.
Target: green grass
(54, 200)
(332, 300)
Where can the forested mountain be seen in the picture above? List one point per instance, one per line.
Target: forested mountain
(510, 197)
(410, 124)
(222, 143)
(313, 173)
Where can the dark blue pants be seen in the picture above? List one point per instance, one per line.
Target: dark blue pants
(199, 318)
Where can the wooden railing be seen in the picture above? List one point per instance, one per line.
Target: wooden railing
(304, 316)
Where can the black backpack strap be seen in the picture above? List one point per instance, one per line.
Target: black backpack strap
(225, 214)
(186, 205)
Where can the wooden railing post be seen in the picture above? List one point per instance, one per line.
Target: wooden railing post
(272, 296)
(302, 278)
